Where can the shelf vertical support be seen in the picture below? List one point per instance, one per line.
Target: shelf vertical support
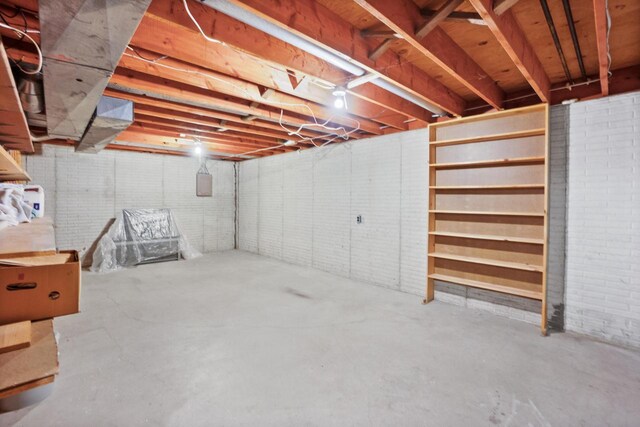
(431, 242)
(545, 251)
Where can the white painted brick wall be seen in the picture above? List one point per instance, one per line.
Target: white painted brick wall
(384, 179)
(248, 205)
(413, 205)
(270, 214)
(331, 219)
(83, 192)
(603, 219)
(322, 191)
(297, 229)
(375, 194)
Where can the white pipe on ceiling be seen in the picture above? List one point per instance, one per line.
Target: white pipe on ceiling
(341, 61)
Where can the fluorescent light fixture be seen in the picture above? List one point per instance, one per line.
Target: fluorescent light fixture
(339, 60)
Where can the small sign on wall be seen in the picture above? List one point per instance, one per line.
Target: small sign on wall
(204, 182)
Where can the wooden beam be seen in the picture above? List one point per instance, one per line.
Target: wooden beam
(453, 16)
(246, 67)
(501, 6)
(600, 16)
(379, 50)
(146, 134)
(318, 25)
(441, 14)
(167, 128)
(193, 119)
(385, 34)
(510, 36)
(183, 127)
(194, 112)
(165, 89)
(182, 72)
(403, 17)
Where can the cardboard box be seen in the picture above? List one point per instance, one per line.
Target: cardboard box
(39, 287)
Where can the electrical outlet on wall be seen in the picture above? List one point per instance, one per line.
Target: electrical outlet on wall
(359, 219)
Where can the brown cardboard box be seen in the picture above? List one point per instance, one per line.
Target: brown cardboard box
(39, 287)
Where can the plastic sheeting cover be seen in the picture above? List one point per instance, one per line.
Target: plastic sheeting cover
(140, 236)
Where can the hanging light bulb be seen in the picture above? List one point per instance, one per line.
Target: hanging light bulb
(198, 150)
(341, 101)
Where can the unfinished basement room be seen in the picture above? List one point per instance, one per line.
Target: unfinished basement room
(319, 213)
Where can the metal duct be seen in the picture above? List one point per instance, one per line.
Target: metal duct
(82, 42)
(112, 116)
(30, 92)
(339, 60)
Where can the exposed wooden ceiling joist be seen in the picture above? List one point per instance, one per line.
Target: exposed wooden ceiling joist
(404, 17)
(192, 119)
(176, 71)
(501, 6)
(166, 127)
(139, 132)
(242, 66)
(166, 29)
(127, 80)
(194, 112)
(600, 13)
(440, 15)
(317, 25)
(193, 129)
(453, 16)
(507, 31)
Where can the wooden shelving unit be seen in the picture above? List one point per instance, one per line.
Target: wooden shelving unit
(488, 203)
(13, 123)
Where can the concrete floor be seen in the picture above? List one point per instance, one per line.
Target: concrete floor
(239, 339)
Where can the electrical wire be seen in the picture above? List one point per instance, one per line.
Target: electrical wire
(340, 132)
(24, 34)
(195, 22)
(153, 61)
(296, 132)
(606, 9)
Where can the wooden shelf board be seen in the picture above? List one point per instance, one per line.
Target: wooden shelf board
(485, 261)
(32, 366)
(15, 336)
(486, 187)
(489, 163)
(489, 237)
(488, 286)
(9, 169)
(487, 138)
(486, 213)
(28, 239)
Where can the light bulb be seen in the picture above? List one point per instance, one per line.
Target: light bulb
(338, 103)
(198, 150)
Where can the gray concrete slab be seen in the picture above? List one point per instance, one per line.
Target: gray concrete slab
(238, 339)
